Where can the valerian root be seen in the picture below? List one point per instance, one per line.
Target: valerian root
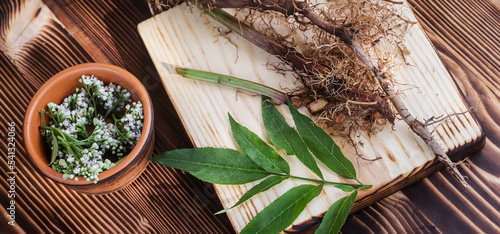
(302, 8)
(301, 63)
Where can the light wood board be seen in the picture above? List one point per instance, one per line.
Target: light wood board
(182, 37)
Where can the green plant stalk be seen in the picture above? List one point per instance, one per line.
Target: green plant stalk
(233, 82)
(287, 54)
(43, 117)
(92, 98)
(233, 24)
(73, 145)
(355, 186)
(115, 105)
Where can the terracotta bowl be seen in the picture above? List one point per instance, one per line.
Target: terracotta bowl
(64, 84)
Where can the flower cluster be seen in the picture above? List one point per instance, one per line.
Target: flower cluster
(82, 139)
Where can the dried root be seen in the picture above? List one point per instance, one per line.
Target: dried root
(337, 75)
(355, 69)
(343, 52)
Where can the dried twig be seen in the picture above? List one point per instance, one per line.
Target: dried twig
(440, 119)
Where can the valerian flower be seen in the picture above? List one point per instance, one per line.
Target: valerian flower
(86, 139)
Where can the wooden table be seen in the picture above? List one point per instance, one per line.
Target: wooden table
(40, 38)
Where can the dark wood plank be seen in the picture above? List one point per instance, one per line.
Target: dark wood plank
(165, 200)
(43, 206)
(69, 33)
(466, 35)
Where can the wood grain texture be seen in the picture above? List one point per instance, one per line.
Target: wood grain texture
(35, 45)
(169, 201)
(466, 35)
(181, 37)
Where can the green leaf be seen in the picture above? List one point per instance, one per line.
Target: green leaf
(261, 187)
(336, 215)
(283, 211)
(285, 137)
(347, 188)
(55, 149)
(259, 151)
(322, 145)
(214, 165)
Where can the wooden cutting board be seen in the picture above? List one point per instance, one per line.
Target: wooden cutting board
(176, 38)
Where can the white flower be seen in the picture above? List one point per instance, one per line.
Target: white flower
(81, 120)
(98, 138)
(62, 162)
(94, 168)
(84, 159)
(78, 112)
(66, 122)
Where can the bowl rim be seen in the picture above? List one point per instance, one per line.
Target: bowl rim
(37, 157)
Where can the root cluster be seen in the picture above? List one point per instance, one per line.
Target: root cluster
(345, 52)
(349, 88)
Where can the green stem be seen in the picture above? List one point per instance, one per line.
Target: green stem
(91, 95)
(43, 117)
(61, 133)
(233, 82)
(361, 183)
(356, 186)
(120, 100)
(233, 24)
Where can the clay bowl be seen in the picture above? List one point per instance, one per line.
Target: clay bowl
(60, 86)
